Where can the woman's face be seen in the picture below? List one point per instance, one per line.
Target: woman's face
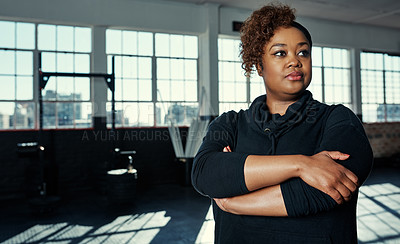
(286, 64)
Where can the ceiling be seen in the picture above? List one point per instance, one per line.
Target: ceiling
(372, 12)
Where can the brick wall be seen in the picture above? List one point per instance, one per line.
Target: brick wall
(384, 138)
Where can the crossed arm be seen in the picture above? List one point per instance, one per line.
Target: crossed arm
(263, 174)
(290, 185)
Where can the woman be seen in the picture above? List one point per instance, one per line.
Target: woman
(287, 169)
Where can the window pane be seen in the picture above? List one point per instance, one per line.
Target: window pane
(65, 38)
(49, 62)
(7, 37)
(392, 112)
(176, 45)
(144, 68)
(190, 91)
(129, 42)
(145, 43)
(25, 115)
(49, 115)
(49, 93)
(316, 53)
(24, 63)
(179, 113)
(113, 41)
(392, 87)
(24, 88)
(65, 62)
(177, 91)
(7, 62)
(130, 91)
(82, 63)
(83, 39)
(7, 84)
(372, 87)
(65, 115)
(145, 114)
(47, 37)
(164, 90)
(144, 90)
(257, 87)
(316, 84)
(118, 89)
(82, 89)
(7, 115)
(25, 35)
(83, 115)
(177, 69)
(129, 67)
(65, 88)
(191, 47)
(225, 107)
(190, 70)
(163, 68)
(162, 45)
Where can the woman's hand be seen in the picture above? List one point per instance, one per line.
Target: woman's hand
(322, 172)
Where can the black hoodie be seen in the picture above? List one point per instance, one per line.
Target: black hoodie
(307, 127)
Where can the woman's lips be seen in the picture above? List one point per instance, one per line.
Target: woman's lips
(295, 75)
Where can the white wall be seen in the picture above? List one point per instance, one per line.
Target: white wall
(138, 14)
(329, 33)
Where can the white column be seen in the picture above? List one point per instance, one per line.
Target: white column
(208, 58)
(356, 80)
(98, 85)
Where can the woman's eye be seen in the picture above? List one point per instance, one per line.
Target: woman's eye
(280, 53)
(304, 53)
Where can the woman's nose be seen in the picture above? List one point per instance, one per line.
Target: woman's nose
(294, 61)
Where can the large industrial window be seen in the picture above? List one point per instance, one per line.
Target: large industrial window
(331, 78)
(380, 87)
(156, 77)
(17, 42)
(66, 100)
(236, 91)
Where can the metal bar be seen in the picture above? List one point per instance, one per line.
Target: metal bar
(76, 74)
(41, 86)
(113, 93)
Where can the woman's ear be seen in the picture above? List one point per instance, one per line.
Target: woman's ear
(259, 69)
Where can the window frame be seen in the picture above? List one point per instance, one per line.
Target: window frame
(156, 102)
(383, 74)
(35, 66)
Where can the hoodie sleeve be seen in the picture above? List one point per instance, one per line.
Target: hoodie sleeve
(345, 133)
(217, 174)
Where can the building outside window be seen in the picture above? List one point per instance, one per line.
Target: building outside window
(17, 43)
(156, 77)
(380, 87)
(236, 91)
(331, 75)
(66, 100)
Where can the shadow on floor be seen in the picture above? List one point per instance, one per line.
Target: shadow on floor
(165, 214)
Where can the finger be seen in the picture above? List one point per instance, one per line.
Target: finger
(336, 155)
(352, 177)
(344, 192)
(350, 184)
(335, 194)
(227, 149)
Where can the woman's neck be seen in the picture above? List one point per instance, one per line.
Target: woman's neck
(276, 106)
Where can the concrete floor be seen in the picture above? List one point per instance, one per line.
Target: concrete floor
(176, 214)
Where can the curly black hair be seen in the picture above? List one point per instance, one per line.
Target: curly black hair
(259, 28)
